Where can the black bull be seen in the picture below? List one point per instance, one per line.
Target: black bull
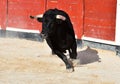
(58, 31)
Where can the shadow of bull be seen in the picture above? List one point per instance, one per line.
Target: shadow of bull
(88, 56)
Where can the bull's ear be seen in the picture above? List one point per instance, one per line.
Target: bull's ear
(61, 17)
(38, 17)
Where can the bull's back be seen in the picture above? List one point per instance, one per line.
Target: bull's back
(63, 39)
(64, 36)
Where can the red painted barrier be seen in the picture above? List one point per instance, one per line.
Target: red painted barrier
(20, 10)
(91, 18)
(99, 20)
(3, 14)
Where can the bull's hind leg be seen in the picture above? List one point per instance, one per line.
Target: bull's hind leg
(73, 51)
(73, 55)
(68, 64)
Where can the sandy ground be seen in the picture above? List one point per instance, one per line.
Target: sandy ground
(29, 62)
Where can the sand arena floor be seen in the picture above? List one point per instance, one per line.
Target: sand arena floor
(29, 62)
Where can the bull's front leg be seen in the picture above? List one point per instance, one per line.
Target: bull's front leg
(48, 40)
(73, 51)
(67, 62)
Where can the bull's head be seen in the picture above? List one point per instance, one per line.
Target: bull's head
(49, 23)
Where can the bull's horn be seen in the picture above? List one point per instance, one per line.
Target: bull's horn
(32, 17)
(60, 17)
(39, 16)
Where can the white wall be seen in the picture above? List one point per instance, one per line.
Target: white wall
(117, 37)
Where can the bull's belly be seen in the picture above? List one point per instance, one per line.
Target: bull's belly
(62, 42)
(62, 45)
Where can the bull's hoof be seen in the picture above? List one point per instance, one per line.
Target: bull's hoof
(70, 70)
